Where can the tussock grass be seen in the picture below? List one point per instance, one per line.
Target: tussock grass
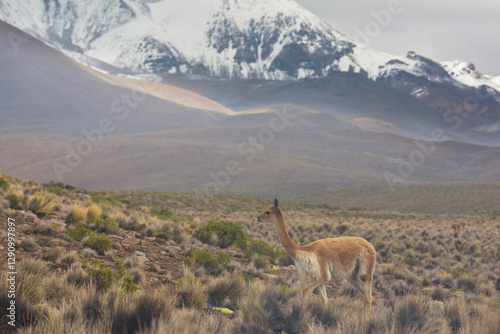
(76, 214)
(94, 211)
(228, 287)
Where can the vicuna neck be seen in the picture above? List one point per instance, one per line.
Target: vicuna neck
(290, 247)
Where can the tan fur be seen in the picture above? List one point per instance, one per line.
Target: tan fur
(457, 226)
(333, 258)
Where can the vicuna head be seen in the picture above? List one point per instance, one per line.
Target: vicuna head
(270, 215)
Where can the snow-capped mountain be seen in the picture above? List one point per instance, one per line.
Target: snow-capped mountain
(263, 39)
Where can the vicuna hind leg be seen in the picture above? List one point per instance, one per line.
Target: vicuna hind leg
(362, 281)
(312, 286)
(322, 292)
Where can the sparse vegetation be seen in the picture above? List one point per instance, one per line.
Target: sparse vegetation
(428, 278)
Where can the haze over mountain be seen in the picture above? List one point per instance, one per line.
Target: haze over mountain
(195, 85)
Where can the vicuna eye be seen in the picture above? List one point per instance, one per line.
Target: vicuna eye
(268, 213)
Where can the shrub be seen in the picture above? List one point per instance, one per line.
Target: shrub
(16, 202)
(129, 284)
(203, 258)
(99, 242)
(435, 253)
(4, 184)
(103, 277)
(98, 199)
(228, 233)
(163, 213)
(163, 235)
(55, 190)
(79, 232)
(263, 248)
(106, 226)
(223, 259)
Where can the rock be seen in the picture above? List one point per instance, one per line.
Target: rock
(157, 267)
(163, 252)
(235, 253)
(289, 268)
(30, 217)
(139, 253)
(159, 241)
(172, 243)
(143, 259)
(114, 237)
(174, 248)
(64, 243)
(153, 257)
(131, 241)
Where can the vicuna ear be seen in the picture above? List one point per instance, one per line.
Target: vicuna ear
(275, 204)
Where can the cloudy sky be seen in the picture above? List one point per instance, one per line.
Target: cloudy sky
(439, 29)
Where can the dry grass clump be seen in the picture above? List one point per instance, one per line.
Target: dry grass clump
(41, 204)
(230, 287)
(94, 211)
(190, 293)
(77, 213)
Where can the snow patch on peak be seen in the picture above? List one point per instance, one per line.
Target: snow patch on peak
(466, 73)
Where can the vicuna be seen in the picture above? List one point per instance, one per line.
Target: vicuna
(457, 226)
(333, 258)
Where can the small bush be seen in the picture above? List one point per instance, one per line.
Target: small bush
(228, 233)
(223, 259)
(4, 184)
(99, 242)
(163, 235)
(163, 213)
(203, 258)
(129, 284)
(16, 202)
(263, 248)
(55, 190)
(435, 253)
(79, 232)
(103, 277)
(106, 226)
